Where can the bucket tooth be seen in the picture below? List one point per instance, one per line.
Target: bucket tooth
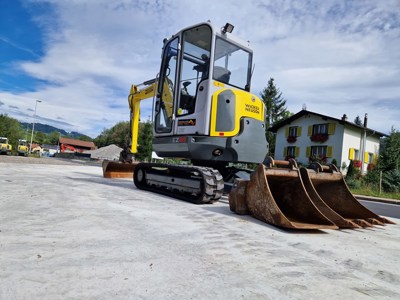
(374, 221)
(278, 196)
(362, 223)
(332, 189)
(385, 221)
(114, 169)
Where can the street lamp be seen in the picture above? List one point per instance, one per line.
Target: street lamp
(33, 125)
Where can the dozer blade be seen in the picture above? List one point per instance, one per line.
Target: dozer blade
(113, 169)
(278, 196)
(331, 188)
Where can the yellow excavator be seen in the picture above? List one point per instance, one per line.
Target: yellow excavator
(5, 147)
(22, 148)
(203, 111)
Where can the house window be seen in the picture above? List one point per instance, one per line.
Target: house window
(370, 158)
(320, 129)
(356, 154)
(291, 151)
(293, 131)
(319, 151)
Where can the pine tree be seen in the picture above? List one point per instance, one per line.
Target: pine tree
(389, 158)
(276, 110)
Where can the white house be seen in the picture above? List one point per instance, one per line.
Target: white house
(308, 135)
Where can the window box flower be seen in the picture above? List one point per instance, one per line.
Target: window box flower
(291, 139)
(357, 163)
(321, 159)
(319, 138)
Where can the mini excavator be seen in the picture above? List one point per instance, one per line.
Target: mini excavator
(203, 111)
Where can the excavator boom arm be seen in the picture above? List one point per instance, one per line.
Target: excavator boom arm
(135, 96)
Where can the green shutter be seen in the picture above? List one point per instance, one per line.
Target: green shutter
(331, 128)
(298, 131)
(287, 131)
(310, 130)
(352, 153)
(329, 151)
(297, 152)
(308, 151)
(284, 152)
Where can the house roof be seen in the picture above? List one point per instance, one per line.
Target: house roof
(79, 143)
(324, 117)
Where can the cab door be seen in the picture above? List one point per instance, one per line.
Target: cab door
(164, 106)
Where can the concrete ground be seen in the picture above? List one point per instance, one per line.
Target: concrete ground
(68, 233)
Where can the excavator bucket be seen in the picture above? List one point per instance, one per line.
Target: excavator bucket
(326, 185)
(278, 196)
(113, 169)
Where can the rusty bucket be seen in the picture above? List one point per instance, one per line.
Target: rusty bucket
(278, 196)
(332, 189)
(114, 169)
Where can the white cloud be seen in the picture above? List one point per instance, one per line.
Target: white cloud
(335, 56)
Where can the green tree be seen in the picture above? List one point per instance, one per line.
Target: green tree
(85, 138)
(145, 141)
(118, 135)
(39, 137)
(11, 129)
(53, 138)
(389, 154)
(276, 111)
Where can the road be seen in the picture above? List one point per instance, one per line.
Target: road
(69, 233)
(384, 209)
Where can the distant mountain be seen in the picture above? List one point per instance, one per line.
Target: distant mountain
(49, 129)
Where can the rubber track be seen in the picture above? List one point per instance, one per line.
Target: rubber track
(211, 186)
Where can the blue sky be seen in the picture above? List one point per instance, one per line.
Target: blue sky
(81, 56)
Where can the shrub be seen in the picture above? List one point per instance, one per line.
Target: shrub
(334, 162)
(371, 179)
(391, 181)
(353, 183)
(350, 170)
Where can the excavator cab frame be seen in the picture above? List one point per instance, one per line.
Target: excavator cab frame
(212, 117)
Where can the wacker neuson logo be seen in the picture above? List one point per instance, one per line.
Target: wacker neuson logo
(252, 108)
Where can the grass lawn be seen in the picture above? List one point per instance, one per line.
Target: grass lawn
(367, 191)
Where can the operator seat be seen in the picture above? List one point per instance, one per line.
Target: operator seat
(222, 74)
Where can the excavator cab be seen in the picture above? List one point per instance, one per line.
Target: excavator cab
(203, 109)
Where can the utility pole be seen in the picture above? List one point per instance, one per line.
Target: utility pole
(33, 125)
(364, 143)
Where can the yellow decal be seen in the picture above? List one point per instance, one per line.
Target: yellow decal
(247, 105)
